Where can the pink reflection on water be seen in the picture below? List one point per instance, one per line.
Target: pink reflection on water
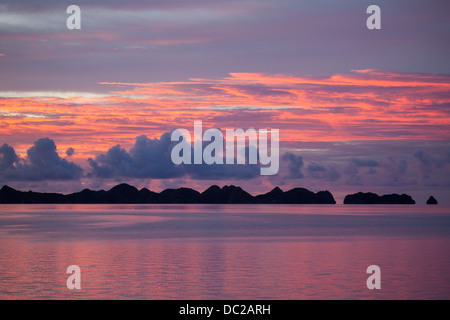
(236, 266)
(227, 269)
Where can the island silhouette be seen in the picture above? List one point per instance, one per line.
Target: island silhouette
(125, 193)
(373, 198)
(431, 200)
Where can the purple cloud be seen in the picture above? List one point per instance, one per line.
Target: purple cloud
(42, 163)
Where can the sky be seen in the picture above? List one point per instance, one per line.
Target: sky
(357, 109)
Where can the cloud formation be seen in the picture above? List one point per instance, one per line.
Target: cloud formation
(364, 105)
(70, 151)
(151, 158)
(294, 165)
(8, 157)
(148, 158)
(365, 162)
(42, 163)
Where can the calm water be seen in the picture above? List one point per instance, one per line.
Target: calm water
(224, 251)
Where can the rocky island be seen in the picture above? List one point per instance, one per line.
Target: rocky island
(124, 193)
(373, 198)
(432, 200)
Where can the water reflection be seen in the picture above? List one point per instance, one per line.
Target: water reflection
(230, 253)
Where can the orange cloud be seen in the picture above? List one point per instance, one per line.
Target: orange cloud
(363, 105)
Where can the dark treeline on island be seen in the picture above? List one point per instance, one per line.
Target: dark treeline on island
(124, 193)
(372, 198)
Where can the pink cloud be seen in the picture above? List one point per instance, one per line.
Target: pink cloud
(363, 105)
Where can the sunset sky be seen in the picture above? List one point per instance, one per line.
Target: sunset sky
(357, 109)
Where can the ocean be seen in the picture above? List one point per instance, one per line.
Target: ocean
(276, 252)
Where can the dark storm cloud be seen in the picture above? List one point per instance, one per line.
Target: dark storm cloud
(423, 158)
(42, 163)
(294, 165)
(151, 158)
(70, 152)
(7, 157)
(314, 167)
(438, 159)
(225, 171)
(322, 172)
(365, 162)
(429, 164)
(148, 158)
